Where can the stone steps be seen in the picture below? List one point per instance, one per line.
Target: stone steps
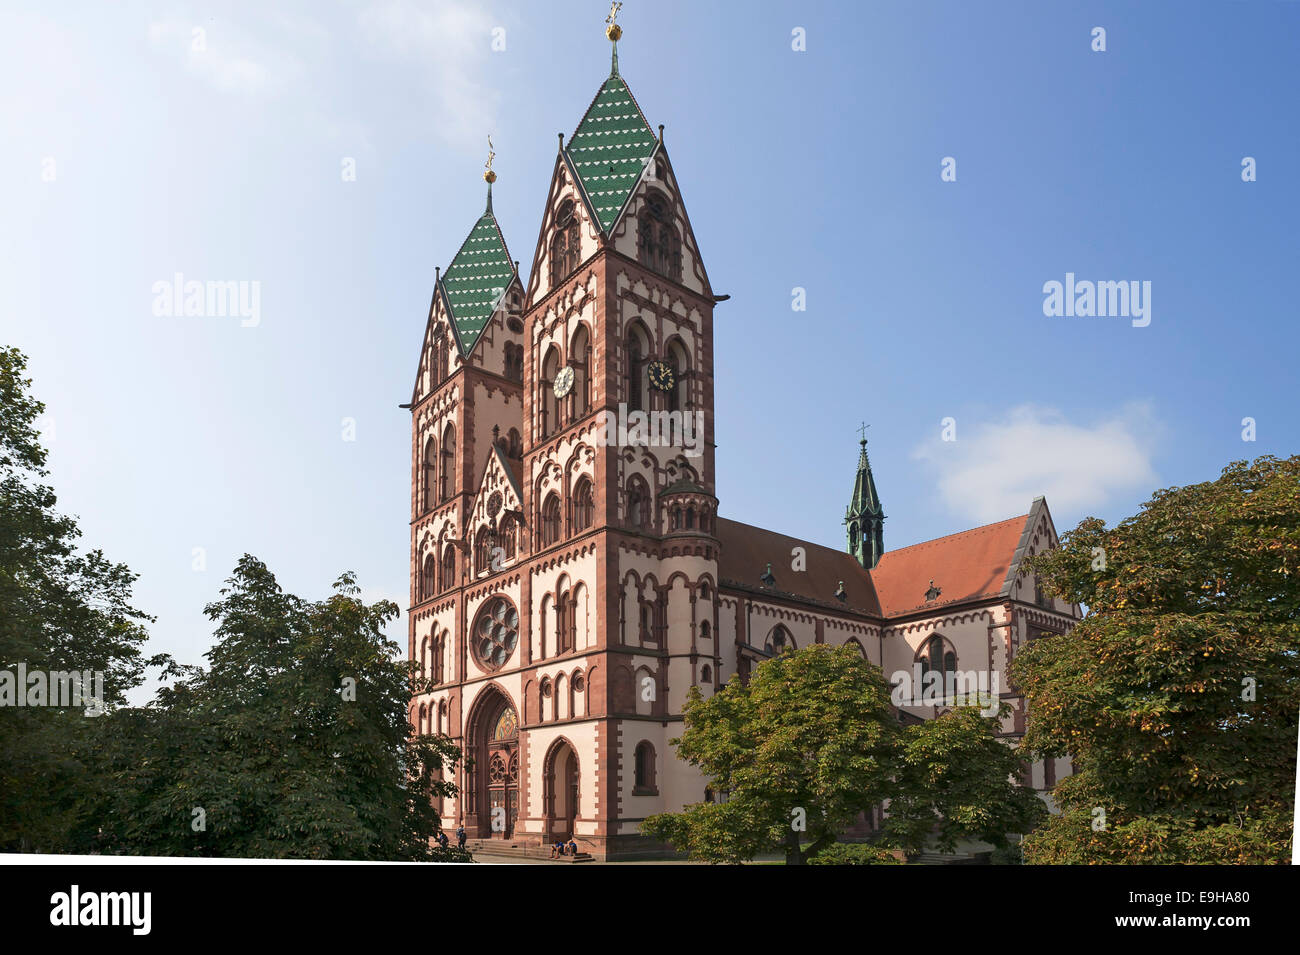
(521, 850)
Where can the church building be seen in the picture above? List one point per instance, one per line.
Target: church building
(571, 577)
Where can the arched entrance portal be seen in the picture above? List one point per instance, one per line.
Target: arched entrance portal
(560, 790)
(495, 774)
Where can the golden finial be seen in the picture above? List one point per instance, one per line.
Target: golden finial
(613, 31)
(488, 174)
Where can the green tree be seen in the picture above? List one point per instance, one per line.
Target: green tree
(955, 780)
(799, 752)
(292, 743)
(60, 610)
(1177, 695)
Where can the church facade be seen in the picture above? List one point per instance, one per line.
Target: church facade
(571, 578)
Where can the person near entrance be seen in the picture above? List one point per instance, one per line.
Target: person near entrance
(460, 836)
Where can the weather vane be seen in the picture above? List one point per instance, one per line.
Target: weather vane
(488, 174)
(613, 31)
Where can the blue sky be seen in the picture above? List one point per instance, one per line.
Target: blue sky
(129, 155)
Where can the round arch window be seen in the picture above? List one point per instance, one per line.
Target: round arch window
(495, 633)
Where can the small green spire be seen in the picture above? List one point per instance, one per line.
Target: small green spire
(864, 515)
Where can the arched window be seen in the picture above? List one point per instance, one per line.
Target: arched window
(638, 351)
(778, 641)
(678, 396)
(514, 369)
(706, 630)
(564, 623)
(447, 487)
(437, 674)
(658, 245)
(938, 654)
(638, 503)
(546, 400)
(644, 778)
(704, 590)
(580, 359)
(506, 537)
(551, 521)
(449, 567)
(584, 506)
(429, 473)
(483, 551)
(706, 675)
(514, 444)
(439, 358)
(565, 244)
(428, 579)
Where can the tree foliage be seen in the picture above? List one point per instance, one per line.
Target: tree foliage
(1177, 695)
(955, 780)
(812, 742)
(292, 743)
(60, 610)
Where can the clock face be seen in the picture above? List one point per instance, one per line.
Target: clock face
(563, 381)
(661, 375)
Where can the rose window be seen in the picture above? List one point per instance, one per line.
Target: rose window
(495, 634)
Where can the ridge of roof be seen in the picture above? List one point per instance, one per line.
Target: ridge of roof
(938, 540)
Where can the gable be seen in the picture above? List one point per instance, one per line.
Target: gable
(610, 148)
(477, 280)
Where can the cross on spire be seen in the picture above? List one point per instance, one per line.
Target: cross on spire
(863, 431)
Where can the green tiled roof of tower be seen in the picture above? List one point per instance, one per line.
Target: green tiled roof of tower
(477, 278)
(610, 147)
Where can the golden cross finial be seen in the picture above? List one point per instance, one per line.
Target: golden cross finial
(613, 31)
(488, 174)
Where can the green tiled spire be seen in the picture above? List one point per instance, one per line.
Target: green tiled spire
(610, 147)
(477, 277)
(865, 517)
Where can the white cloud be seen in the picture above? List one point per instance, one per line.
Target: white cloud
(226, 59)
(995, 469)
(448, 45)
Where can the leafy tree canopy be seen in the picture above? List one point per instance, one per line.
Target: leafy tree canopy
(1177, 696)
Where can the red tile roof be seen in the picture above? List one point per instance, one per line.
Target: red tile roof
(965, 566)
(746, 551)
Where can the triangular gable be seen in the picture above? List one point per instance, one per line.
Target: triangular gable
(609, 150)
(499, 477)
(477, 279)
(669, 184)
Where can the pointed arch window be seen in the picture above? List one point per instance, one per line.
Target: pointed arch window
(658, 245)
(638, 351)
(506, 537)
(546, 400)
(483, 550)
(428, 578)
(638, 503)
(584, 506)
(580, 359)
(778, 641)
(551, 521)
(938, 654)
(429, 475)
(678, 398)
(448, 576)
(565, 244)
(447, 481)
